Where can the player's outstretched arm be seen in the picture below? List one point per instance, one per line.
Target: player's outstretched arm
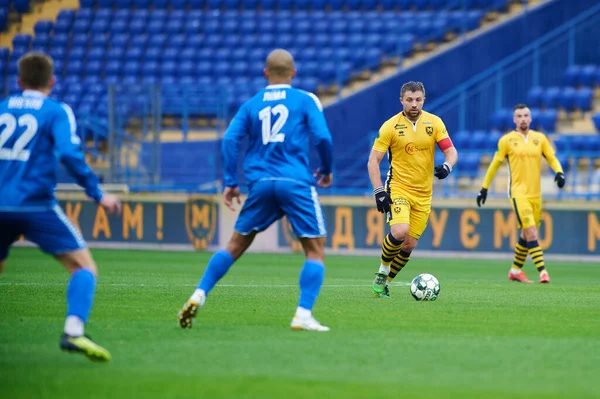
(68, 145)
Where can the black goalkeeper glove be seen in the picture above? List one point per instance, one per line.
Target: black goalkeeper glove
(481, 197)
(560, 180)
(442, 171)
(382, 199)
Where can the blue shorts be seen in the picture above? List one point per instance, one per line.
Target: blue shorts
(269, 200)
(51, 230)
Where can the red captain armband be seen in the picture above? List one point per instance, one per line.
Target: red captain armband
(444, 144)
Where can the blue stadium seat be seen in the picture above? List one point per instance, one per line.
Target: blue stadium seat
(99, 26)
(62, 26)
(43, 27)
(584, 99)
(548, 119)
(571, 75)
(534, 97)
(77, 54)
(21, 40)
(161, 4)
(550, 97)
(179, 4)
(479, 140)
(137, 27)
(153, 54)
(596, 120)
(74, 67)
(41, 40)
(106, 4)
(204, 68)
(93, 68)
(566, 99)
(588, 75)
(193, 27)
(150, 68)
(189, 54)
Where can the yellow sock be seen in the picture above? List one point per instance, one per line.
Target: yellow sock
(536, 254)
(397, 264)
(520, 254)
(389, 249)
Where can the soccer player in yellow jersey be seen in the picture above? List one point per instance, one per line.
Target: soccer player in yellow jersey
(409, 139)
(523, 148)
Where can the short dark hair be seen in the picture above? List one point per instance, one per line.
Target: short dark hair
(520, 106)
(412, 86)
(35, 70)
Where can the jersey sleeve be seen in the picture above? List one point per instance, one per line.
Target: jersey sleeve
(502, 150)
(230, 148)
(67, 145)
(384, 138)
(495, 164)
(320, 132)
(550, 156)
(441, 135)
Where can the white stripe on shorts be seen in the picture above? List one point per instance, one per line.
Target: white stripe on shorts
(318, 210)
(63, 218)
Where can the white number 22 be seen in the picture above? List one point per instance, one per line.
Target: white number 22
(271, 133)
(17, 153)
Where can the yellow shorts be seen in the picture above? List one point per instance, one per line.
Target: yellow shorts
(407, 209)
(528, 211)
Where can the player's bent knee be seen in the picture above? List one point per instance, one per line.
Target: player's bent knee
(239, 243)
(399, 231)
(314, 248)
(2, 263)
(530, 233)
(80, 259)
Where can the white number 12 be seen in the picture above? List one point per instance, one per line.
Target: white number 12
(271, 133)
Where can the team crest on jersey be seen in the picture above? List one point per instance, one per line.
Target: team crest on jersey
(429, 130)
(399, 126)
(398, 202)
(536, 142)
(200, 220)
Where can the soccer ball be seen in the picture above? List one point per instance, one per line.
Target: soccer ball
(425, 287)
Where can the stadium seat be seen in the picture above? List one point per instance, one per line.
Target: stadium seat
(571, 75)
(548, 119)
(549, 98)
(587, 75)
(534, 97)
(566, 99)
(584, 99)
(596, 120)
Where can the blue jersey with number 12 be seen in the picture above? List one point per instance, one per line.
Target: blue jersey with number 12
(35, 134)
(279, 122)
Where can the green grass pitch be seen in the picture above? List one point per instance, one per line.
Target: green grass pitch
(485, 337)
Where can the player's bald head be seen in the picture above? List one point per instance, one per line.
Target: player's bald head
(280, 65)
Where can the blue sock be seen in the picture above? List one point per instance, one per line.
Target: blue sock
(311, 279)
(80, 294)
(217, 267)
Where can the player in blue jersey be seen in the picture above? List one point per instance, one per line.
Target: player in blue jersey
(278, 121)
(35, 133)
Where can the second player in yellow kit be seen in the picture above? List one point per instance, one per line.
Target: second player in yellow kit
(523, 149)
(409, 139)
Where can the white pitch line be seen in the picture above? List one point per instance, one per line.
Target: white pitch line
(37, 284)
